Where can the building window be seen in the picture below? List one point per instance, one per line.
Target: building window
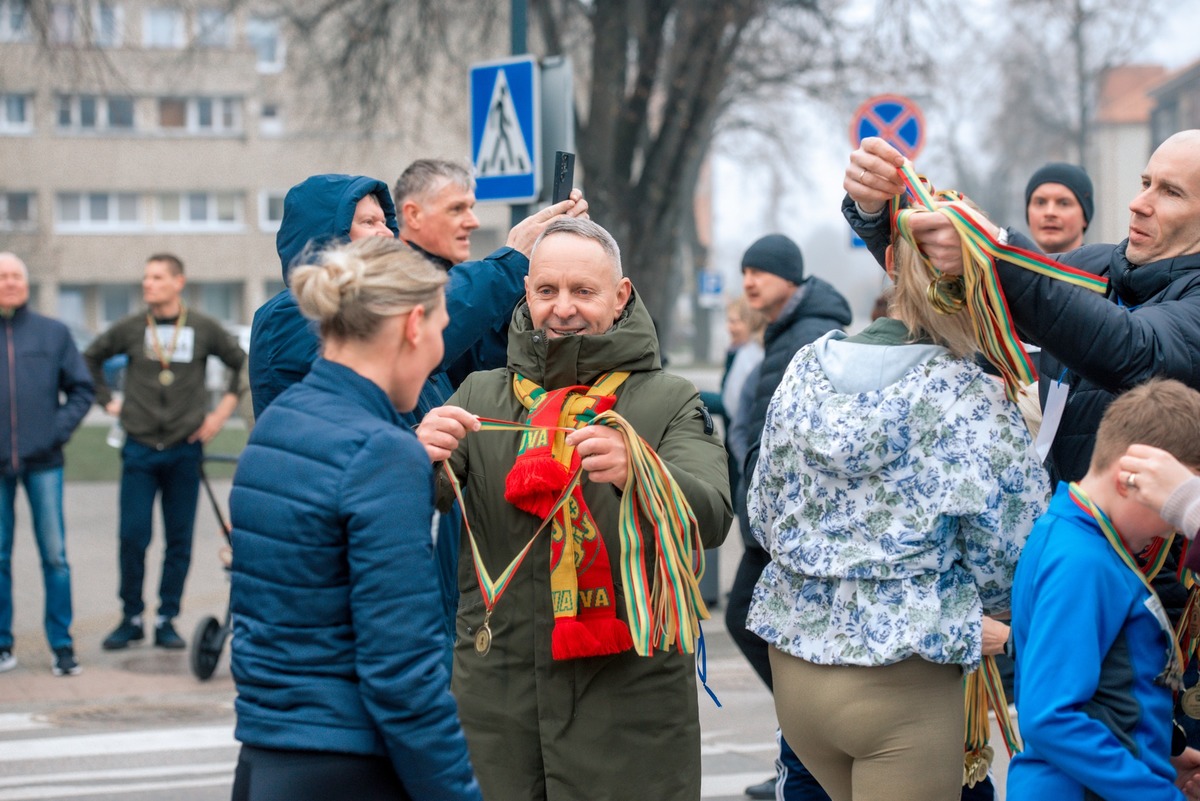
(220, 300)
(204, 115)
(163, 27)
(16, 113)
(107, 19)
(17, 211)
(270, 209)
(120, 113)
(263, 35)
(199, 211)
(99, 212)
(118, 301)
(213, 28)
(63, 26)
(87, 112)
(172, 112)
(91, 113)
(270, 120)
(14, 21)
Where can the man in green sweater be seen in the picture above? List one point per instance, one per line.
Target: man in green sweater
(164, 413)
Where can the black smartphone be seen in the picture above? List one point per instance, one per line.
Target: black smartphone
(564, 176)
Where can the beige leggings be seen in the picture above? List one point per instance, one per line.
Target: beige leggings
(892, 733)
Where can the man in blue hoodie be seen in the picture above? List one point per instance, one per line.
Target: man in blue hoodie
(39, 361)
(324, 209)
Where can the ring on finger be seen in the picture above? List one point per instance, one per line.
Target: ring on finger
(1131, 481)
(861, 174)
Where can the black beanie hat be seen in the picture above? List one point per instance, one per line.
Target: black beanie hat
(776, 254)
(1070, 176)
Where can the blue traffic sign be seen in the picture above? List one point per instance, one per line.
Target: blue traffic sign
(893, 118)
(505, 130)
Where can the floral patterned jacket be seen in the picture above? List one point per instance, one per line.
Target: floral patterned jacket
(894, 491)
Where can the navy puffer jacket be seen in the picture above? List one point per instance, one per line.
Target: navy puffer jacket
(338, 638)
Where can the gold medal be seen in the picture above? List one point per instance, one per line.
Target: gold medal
(1189, 702)
(166, 378)
(483, 640)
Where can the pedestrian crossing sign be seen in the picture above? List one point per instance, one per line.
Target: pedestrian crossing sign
(505, 135)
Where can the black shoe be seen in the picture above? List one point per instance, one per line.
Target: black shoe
(129, 631)
(766, 790)
(165, 636)
(64, 662)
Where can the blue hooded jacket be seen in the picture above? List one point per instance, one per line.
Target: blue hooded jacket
(316, 212)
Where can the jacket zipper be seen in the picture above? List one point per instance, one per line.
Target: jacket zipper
(12, 390)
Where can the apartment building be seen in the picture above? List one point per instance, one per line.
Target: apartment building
(133, 127)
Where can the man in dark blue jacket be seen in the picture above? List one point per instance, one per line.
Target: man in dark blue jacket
(799, 309)
(435, 204)
(1094, 346)
(40, 361)
(325, 209)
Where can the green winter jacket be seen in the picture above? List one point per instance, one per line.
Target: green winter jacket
(609, 727)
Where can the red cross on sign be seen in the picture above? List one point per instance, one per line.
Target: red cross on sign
(893, 118)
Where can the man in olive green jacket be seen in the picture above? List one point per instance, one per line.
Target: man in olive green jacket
(611, 726)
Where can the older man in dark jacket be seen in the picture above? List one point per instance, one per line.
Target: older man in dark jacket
(40, 361)
(594, 721)
(799, 310)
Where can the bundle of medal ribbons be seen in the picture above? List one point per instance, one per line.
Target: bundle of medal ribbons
(662, 613)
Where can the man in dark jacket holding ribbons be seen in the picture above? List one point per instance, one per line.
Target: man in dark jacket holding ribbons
(555, 704)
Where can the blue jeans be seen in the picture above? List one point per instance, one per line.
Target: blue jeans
(44, 490)
(175, 473)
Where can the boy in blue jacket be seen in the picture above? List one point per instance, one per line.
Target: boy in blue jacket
(1097, 660)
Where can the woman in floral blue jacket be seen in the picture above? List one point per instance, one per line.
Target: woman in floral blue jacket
(894, 490)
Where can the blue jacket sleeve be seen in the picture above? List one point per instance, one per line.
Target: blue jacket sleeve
(75, 382)
(1077, 608)
(396, 610)
(876, 233)
(1110, 345)
(480, 296)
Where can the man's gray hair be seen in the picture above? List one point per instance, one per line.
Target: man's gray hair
(585, 229)
(424, 176)
(13, 257)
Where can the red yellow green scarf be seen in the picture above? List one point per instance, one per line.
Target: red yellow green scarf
(581, 582)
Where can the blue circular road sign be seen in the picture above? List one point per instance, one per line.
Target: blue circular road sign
(893, 118)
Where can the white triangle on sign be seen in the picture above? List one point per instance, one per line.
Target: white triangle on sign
(502, 150)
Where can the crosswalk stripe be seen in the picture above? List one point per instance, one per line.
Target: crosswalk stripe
(157, 772)
(78, 790)
(130, 742)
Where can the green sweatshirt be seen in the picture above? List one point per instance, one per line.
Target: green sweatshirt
(154, 413)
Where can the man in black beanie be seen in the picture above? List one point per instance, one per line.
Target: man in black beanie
(1058, 206)
(798, 310)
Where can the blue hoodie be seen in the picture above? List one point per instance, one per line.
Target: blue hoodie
(316, 212)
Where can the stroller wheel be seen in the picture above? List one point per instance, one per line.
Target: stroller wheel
(207, 643)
